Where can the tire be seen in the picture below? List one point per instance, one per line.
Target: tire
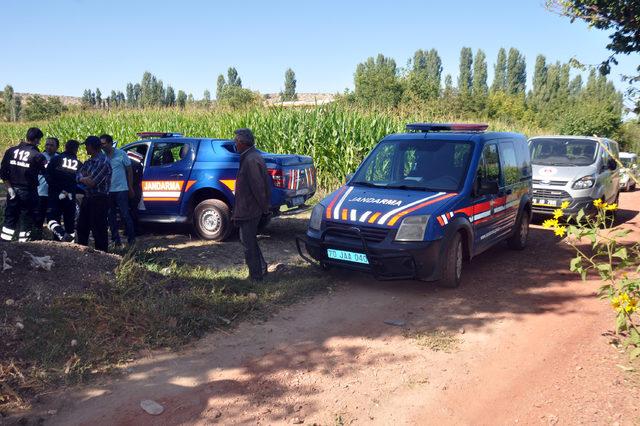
(518, 241)
(212, 220)
(452, 263)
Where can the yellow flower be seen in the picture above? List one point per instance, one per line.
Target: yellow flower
(560, 231)
(550, 223)
(557, 213)
(625, 297)
(564, 205)
(597, 202)
(615, 303)
(613, 206)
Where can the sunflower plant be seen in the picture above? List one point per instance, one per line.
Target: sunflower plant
(602, 250)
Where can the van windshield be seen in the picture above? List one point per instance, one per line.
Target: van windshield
(627, 162)
(422, 165)
(563, 152)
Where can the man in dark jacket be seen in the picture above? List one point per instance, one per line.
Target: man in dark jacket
(19, 170)
(61, 177)
(252, 200)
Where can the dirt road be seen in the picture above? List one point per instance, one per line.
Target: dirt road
(521, 341)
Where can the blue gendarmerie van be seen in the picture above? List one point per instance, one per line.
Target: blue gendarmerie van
(424, 201)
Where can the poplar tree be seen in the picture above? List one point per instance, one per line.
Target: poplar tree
(465, 76)
(221, 83)
(130, 96)
(480, 89)
(377, 83)
(182, 99)
(516, 72)
(500, 72)
(170, 98)
(290, 82)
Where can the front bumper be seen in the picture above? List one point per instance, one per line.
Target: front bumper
(576, 204)
(387, 260)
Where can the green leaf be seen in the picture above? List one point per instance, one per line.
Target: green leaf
(621, 323)
(634, 354)
(580, 215)
(621, 253)
(583, 274)
(576, 263)
(622, 233)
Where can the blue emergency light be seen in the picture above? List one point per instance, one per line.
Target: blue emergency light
(146, 135)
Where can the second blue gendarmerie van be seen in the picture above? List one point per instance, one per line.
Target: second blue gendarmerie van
(424, 201)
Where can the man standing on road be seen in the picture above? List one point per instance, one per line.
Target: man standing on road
(50, 150)
(120, 192)
(252, 201)
(19, 170)
(95, 176)
(61, 176)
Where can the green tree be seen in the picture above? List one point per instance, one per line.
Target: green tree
(575, 87)
(290, 81)
(423, 81)
(465, 76)
(206, 98)
(448, 87)
(479, 88)
(516, 72)
(12, 104)
(500, 72)
(147, 87)
(98, 98)
(377, 83)
(137, 94)
(232, 78)
(39, 108)
(131, 102)
(181, 99)
(220, 85)
(88, 99)
(539, 83)
(238, 97)
(170, 98)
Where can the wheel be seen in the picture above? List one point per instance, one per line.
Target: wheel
(452, 263)
(212, 220)
(518, 241)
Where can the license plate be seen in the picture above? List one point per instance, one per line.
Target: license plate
(296, 201)
(545, 202)
(347, 256)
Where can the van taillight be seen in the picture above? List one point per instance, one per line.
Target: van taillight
(277, 177)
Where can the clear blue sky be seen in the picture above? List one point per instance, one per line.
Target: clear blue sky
(64, 46)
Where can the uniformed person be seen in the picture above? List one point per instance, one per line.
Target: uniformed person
(61, 177)
(19, 170)
(51, 146)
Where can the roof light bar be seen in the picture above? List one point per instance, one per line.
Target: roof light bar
(145, 135)
(446, 127)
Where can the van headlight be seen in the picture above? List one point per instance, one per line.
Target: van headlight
(584, 182)
(413, 228)
(316, 217)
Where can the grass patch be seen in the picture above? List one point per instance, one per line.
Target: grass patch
(436, 340)
(143, 304)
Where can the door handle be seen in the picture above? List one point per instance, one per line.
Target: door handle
(175, 175)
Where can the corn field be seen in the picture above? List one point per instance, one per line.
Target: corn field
(337, 137)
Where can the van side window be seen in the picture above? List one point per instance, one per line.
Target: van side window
(489, 167)
(510, 169)
(168, 153)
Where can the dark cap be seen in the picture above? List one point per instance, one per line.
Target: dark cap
(245, 136)
(92, 141)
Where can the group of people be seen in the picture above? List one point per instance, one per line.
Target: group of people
(43, 186)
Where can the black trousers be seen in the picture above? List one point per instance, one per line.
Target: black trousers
(25, 202)
(93, 219)
(58, 209)
(252, 254)
(40, 216)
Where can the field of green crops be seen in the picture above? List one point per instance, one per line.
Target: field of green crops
(336, 137)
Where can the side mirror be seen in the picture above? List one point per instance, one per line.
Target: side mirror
(349, 177)
(489, 187)
(611, 164)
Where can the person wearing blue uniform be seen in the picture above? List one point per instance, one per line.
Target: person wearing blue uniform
(61, 176)
(120, 191)
(51, 146)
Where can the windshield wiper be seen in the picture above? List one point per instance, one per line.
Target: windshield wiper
(369, 184)
(414, 188)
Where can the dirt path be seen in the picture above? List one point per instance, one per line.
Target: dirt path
(528, 350)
